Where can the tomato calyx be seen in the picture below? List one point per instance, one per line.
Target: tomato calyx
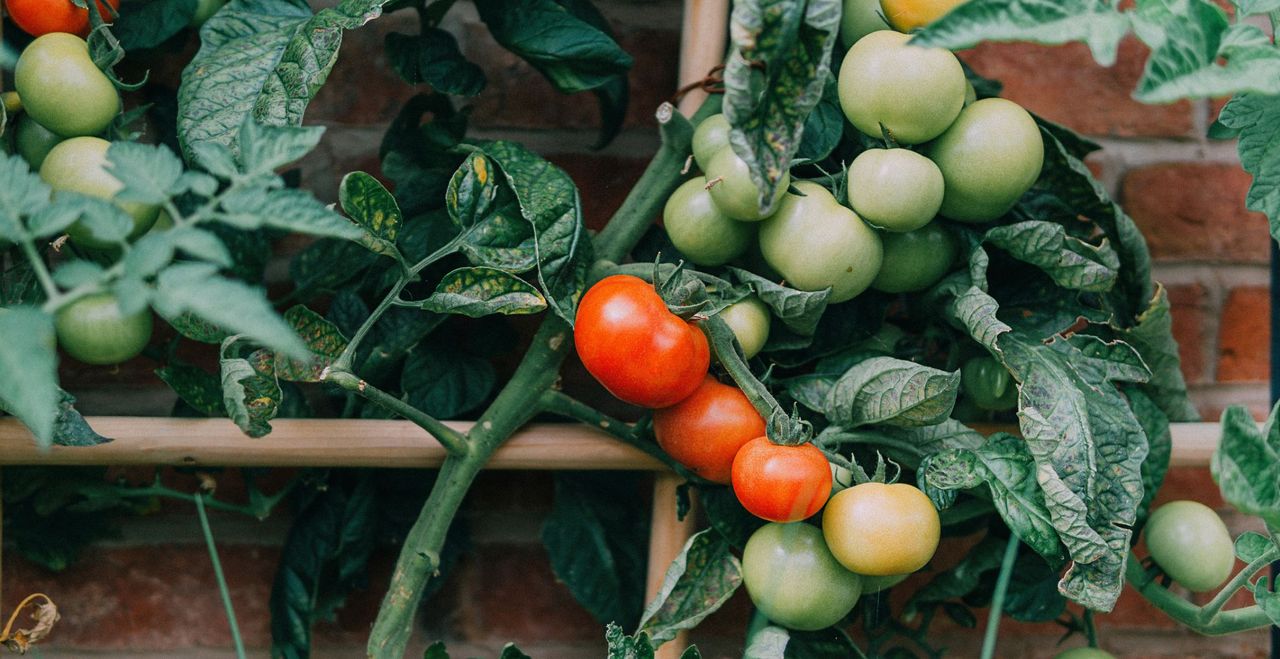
(685, 296)
(791, 429)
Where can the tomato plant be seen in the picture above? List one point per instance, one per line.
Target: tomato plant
(794, 580)
(880, 217)
(635, 347)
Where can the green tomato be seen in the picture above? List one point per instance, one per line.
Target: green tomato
(94, 331)
(749, 320)
(860, 18)
(1084, 653)
(970, 94)
(733, 190)
(62, 88)
(699, 230)
(895, 189)
(709, 139)
(1190, 543)
(794, 580)
(164, 221)
(989, 157)
(989, 384)
(915, 260)
(34, 141)
(204, 10)
(914, 92)
(79, 165)
(814, 242)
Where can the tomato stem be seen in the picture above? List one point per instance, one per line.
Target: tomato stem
(997, 597)
(453, 441)
(39, 268)
(1238, 581)
(1188, 614)
(218, 575)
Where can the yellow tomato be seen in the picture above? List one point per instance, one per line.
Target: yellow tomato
(908, 15)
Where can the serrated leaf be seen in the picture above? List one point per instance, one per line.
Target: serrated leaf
(1072, 263)
(77, 273)
(288, 209)
(1007, 468)
(100, 219)
(699, 581)
(195, 386)
(201, 244)
(477, 292)
(596, 539)
(148, 172)
(1152, 336)
(799, 310)
(323, 340)
(1251, 545)
(417, 152)
(445, 382)
(28, 370)
(364, 200)
(432, 57)
(1186, 64)
(329, 263)
(1095, 22)
(1256, 118)
(779, 63)
(22, 194)
(892, 391)
(1155, 425)
(229, 304)
(261, 61)
(195, 328)
(1246, 464)
(250, 398)
(569, 43)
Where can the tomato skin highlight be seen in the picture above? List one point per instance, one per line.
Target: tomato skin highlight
(781, 483)
(63, 89)
(882, 530)
(93, 330)
(1188, 540)
(40, 17)
(641, 352)
(794, 580)
(704, 431)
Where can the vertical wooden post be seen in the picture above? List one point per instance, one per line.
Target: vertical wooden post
(667, 537)
(702, 44)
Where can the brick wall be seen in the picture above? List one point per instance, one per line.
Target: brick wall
(150, 593)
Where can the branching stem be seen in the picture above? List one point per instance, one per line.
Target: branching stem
(453, 441)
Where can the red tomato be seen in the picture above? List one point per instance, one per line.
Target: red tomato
(641, 352)
(704, 431)
(40, 17)
(781, 483)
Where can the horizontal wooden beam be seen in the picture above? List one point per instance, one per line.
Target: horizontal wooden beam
(376, 443)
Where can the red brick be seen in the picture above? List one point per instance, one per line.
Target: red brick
(1194, 483)
(1191, 315)
(517, 96)
(362, 88)
(510, 592)
(1064, 84)
(1195, 211)
(1244, 336)
(603, 182)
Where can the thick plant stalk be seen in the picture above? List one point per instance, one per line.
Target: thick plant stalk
(518, 400)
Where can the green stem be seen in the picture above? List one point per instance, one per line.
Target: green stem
(725, 347)
(162, 491)
(562, 404)
(38, 267)
(997, 598)
(1188, 614)
(1090, 631)
(217, 574)
(1238, 581)
(453, 441)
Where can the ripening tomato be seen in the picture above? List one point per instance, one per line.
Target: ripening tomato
(640, 351)
(62, 88)
(882, 530)
(704, 431)
(895, 189)
(908, 15)
(40, 17)
(781, 483)
(80, 165)
(792, 578)
(860, 18)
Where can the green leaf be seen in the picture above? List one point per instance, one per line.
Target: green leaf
(148, 172)
(824, 127)
(477, 292)
(261, 60)
(22, 194)
(799, 310)
(510, 651)
(768, 643)
(1251, 7)
(699, 581)
(323, 340)
(446, 382)
(436, 651)
(250, 398)
(291, 210)
(418, 157)
(779, 64)
(329, 263)
(892, 391)
(1186, 63)
(195, 328)
(1072, 263)
(569, 43)
(147, 24)
(28, 370)
(1095, 22)
(77, 273)
(324, 558)
(364, 200)
(70, 427)
(1155, 425)
(433, 58)
(398, 331)
(1256, 118)
(597, 539)
(773, 642)
(102, 219)
(1005, 465)
(622, 646)
(1246, 464)
(231, 305)
(195, 386)
(727, 516)
(1152, 337)
(1251, 545)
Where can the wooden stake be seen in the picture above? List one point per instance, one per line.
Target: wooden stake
(702, 45)
(667, 537)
